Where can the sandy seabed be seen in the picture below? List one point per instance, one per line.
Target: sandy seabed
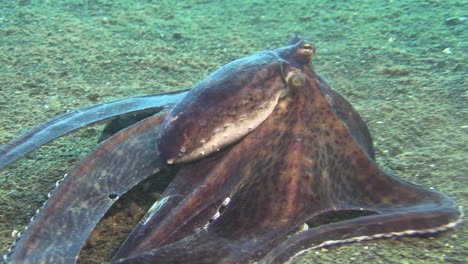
(402, 64)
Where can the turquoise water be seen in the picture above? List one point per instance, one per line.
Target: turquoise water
(402, 64)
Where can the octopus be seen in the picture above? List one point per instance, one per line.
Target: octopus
(265, 151)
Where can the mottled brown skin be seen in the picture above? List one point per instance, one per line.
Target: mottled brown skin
(311, 156)
(251, 200)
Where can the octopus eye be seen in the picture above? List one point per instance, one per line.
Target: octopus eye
(308, 46)
(307, 49)
(295, 79)
(304, 52)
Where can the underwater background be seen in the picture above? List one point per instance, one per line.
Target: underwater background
(402, 64)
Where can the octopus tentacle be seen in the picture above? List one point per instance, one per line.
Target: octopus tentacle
(405, 222)
(74, 120)
(61, 227)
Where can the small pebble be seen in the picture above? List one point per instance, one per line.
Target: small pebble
(15, 194)
(453, 21)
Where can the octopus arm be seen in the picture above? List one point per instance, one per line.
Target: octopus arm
(60, 228)
(418, 220)
(71, 121)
